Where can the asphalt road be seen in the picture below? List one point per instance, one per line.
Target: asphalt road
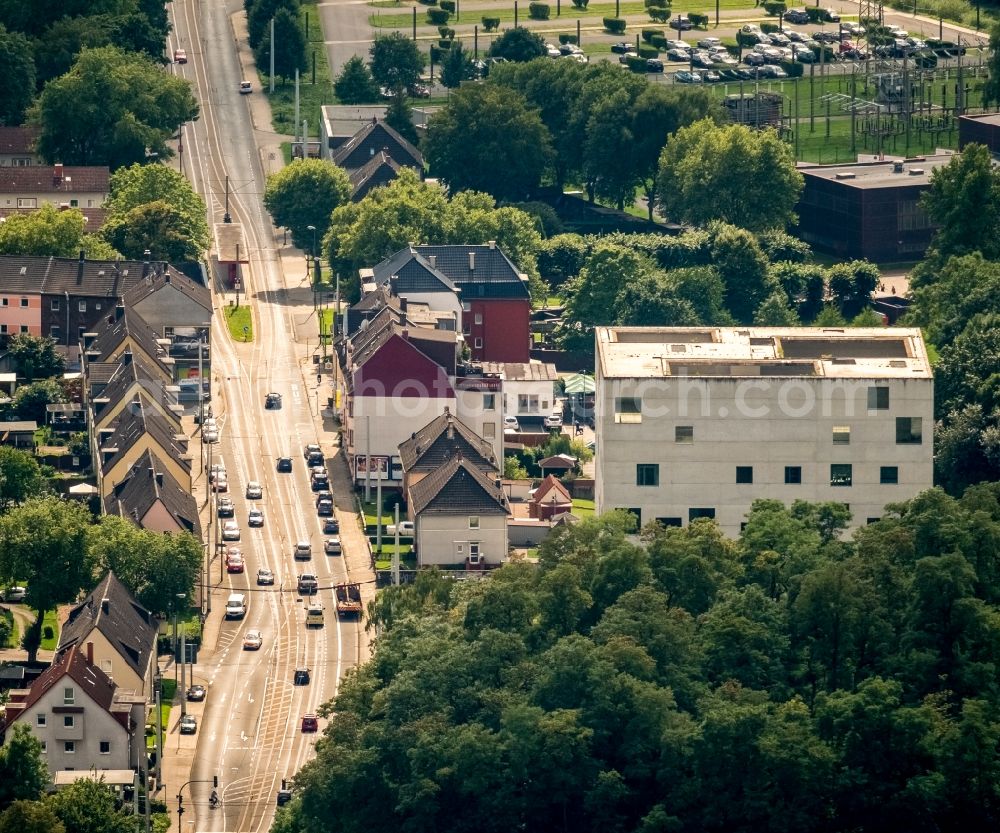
(345, 26)
(249, 733)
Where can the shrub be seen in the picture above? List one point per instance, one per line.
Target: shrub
(635, 63)
(567, 38)
(48, 632)
(773, 7)
(659, 14)
(769, 28)
(745, 39)
(661, 3)
(491, 24)
(793, 68)
(648, 51)
(437, 54)
(429, 2)
(446, 32)
(659, 41)
(538, 11)
(581, 4)
(445, 44)
(698, 20)
(648, 34)
(447, 5)
(952, 9)
(614, 25)
(437, 17)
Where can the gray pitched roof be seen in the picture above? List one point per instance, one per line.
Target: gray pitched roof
(493, 274)
(147, 482)
(373, 137)
(523, 371)
(124, 623)
(169, 278)
(412, 273)
(58, 275)
(135, 420)
(443, 438)
(133, 371)
(457, 488)
(379, 170)
(124, 322)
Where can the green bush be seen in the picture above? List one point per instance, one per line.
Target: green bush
(581, 4)
(446, 32)
(437, 17)
(491, 24)
(564, 38)
(660, 3)
(429, 2)
(538, 11)
(952, 9)
(793, 68)
(648, 51)
(635, 63)
(614, 25)
(437, 54)
(445, 43)
(816, 14)
(769, 28)
(447, 5)
(649, 33)
(48, 633)
(772, 7)
(698, 20)
(659, 41)
(659, 14)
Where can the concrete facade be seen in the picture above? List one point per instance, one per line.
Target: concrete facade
(699, 422)
(449, 539)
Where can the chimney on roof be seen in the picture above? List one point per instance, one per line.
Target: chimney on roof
(106, 605)
(90, 653)
(405, 334)
(492, 244)
(498, 483)
(472, 261)
(126, 358)
(57, 175)
(432, 260)
(145, 263)
(159, 478)
(83, 255)
(451, 428)
(402, 305)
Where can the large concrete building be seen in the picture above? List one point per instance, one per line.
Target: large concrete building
(700, 422)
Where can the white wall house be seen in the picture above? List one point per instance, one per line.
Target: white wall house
(699, 422)
(528, 388)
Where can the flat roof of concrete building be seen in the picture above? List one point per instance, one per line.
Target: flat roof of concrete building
(883, 174)
(819, 352)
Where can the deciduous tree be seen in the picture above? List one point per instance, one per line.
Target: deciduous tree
(20, 477)
(396, 61)
(49, 232)
(23, 772)
(456, 66)
(30, 400)
(88, 806)
(290, 54)
(35, 357)
(518, 44)
(17, 68)
(355, 84)
(305, 193)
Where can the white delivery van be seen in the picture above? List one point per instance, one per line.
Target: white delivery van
(236, 606)
(314, 615)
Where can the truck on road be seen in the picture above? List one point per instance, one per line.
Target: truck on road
(348, 599)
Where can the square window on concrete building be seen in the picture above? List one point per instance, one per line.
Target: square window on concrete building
(684, 434)
(700, 512)
(909, 430)
(744, 474)
(888, 475)
(841, 474)
(628, 409)
(793, 474)
(647, 474)
(670, 521)
(878, 398)
(841, 434)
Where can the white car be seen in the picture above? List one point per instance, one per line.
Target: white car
(406, 528)
(553, 421)
(254, 490)
(511, 422)
(15, 594)
(245, 87)
(211, 435)
(255, 517)
(303, 550)
(217, 470)
(253, 640)
(230, 531)
(221, 482)
(552, 51)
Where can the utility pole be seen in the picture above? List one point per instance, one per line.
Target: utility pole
(159, 726)
(271, 77)
(378, 500)
(368, 459)
(182, 597)
(395, 552)
(297, 115)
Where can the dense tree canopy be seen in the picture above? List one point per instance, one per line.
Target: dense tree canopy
(20, 477)
(23, 772)
(396, 61)
(784, 681)
(111, 108)
(17, 68)
(304, 194)
(730, 173)
(488, 139)
(51, 232)
(290, 54)
(518, 45)
(355, 84)
(35, 357)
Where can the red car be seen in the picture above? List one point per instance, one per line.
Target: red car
(234, 563)
(180, 56)
(310, 723)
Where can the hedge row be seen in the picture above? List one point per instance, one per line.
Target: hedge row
(538, 11)
(614, 25)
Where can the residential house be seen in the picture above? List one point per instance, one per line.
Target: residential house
(460, 516)
(698, 422)
(868, 209)
(117, 632)
(140, 428)
(529, 392)
(151, 498)
(339, 123)
(19, 434)
(134, 380)
(380, 170)
(441, 439)
(550, 500)
(73, 711)
(374, 155)
(30, 186)
(179, 309)
(17, 146)
(125, 331)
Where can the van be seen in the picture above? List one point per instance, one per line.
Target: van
(236, 606)
(314, 615)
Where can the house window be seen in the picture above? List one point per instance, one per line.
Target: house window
(473, 521)
(55, 305)
(81, 306)
(54, 332)
(628, 409)
(909, 430)
(24, 302)
(40, 719)
(74, 203)
(647, 474)
(670, 521)
(69, 696)
(793, 474)
(6, 302)
(841, 474)
(489, 401)
(69, 721)
(24, 328)
(878, 398)
(700, 512)
(479, 318)
(105, 747)
(45, 748)
(489, 430)
(69, 747)
(478, 344)
(3, 328)
(27, 202)
(106, 666)
(684, 434)
(841, 434)
(872, 520)
(888, 475)
(744, 474)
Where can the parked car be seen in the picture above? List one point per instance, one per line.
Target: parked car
(245, 87)
(234, 563)
(779, 39)
(272, 400)
(853, 28)
(215, 471)
(331, 526)
(15, 594)
(711, 77)
(284, 464)
(302, 551)
(702, 60)
(654, 65)
(418, 91)
(310, 723)
(552, 50)
(324, 508)
(831, 15)
(683, 77)
(230, 531)
(822, 36)
(406, 528)
(805, 56)
(709, 43)
(511, 422)
(188, 725)
(553, 421)
(221, 482)
(224, 507)
(265, 577)
(254, 490)
(797, 16)
(324, 495)
(196, 693)
(255, 517)
(253, 640)
(319, 481)
(681, 55)
(681, 23)
(180, 56)
(210, 435)
(623, 48)
(331, 546)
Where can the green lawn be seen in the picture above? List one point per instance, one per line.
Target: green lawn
(51, 620)
(313, 91)
(240, 322)
(583, 508)
(168, 688)
(407, 561)
(12, 640)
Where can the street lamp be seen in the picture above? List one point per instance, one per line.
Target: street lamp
(181, 597)
(312, 257)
